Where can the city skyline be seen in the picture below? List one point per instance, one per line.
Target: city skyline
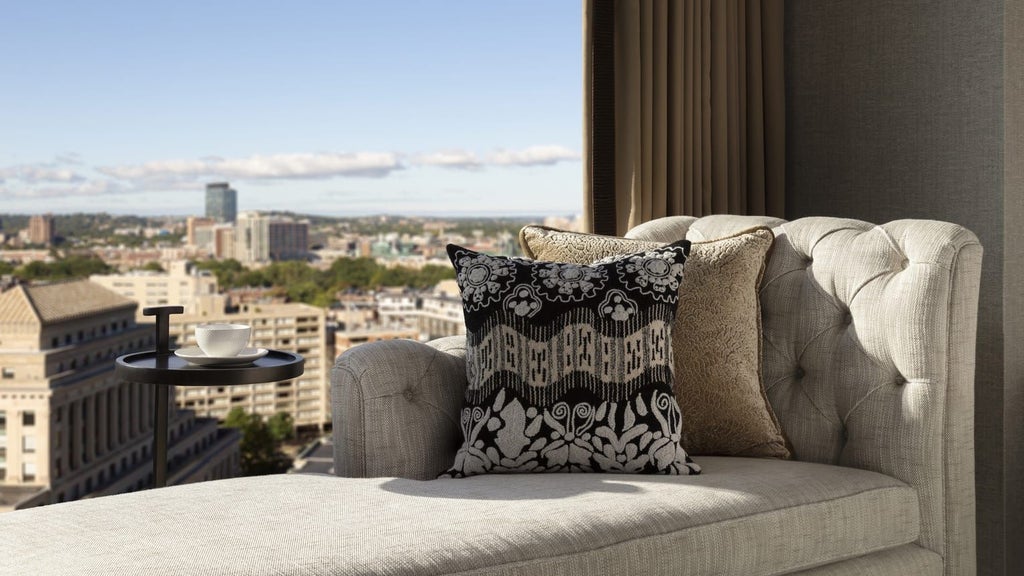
(337, 109)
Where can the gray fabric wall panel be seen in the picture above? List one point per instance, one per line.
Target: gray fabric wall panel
(1013, 281)
(897, 109)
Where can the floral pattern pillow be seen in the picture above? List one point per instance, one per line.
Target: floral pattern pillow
(570, 366)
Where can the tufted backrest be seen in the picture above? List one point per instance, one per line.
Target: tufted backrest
(869, 345)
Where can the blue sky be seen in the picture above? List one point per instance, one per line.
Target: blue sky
(439, 107)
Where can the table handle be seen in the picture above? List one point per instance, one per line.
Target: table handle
(163, 325)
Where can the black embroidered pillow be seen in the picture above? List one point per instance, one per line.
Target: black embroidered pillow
(570, 366)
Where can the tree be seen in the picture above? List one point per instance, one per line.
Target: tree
(352, 272)
(397, 276)
(305, 291)
(431, 274)
(74, 266)
(153, 266)
(282, 426)
(226, 270)
(260, 451)
(290, 272)
(237, 418)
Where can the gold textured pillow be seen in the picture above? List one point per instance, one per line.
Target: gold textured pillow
(716, 337)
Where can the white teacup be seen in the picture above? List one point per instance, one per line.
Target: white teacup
(220, 339)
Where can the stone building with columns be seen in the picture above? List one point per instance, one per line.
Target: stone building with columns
(68, 428)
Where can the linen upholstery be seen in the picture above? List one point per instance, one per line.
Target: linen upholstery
(869, 355)
(907, 560)
(725, 410)
(523, 524)
(396, 408)
(869, 359)
(698, 229)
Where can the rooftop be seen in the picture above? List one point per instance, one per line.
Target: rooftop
(58, 302)
(11, 495)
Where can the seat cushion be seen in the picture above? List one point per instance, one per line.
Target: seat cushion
(741, 516)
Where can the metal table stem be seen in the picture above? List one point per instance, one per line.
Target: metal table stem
(163, 369)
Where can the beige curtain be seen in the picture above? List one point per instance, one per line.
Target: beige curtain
(699, 108)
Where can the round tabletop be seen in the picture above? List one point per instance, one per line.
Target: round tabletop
(169, 370)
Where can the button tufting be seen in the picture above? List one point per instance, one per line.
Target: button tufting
(799, 374)
(848, 319)
(409, 394)
(900, 380)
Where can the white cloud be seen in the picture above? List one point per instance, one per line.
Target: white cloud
(55, 180)
(273, 167)
(155, 169)
(458, 159)
(533, 156)
(34, 173)
(88, 188)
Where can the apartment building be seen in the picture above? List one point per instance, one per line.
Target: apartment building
(261, 238)
(223, 236)
(292, 327)
(434, 314)
(181, 285)
(345, 340)
(440, 312)
(68, 428)
(198, 231)
(397, 307)
(41, 229)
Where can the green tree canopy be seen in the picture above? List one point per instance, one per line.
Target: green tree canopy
(352, 272)
(73, 266)
(282, 426)
(260, 450)
(301, 282)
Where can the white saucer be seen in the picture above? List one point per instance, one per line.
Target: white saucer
(196, 356)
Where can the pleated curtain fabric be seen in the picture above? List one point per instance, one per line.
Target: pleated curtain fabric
(699, 101)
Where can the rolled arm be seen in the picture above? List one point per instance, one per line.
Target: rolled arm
(395, 406)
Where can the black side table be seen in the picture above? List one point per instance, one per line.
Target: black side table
(162, 368)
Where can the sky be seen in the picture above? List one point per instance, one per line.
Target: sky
(336, 107)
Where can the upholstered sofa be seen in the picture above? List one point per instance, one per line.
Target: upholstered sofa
(868, 361)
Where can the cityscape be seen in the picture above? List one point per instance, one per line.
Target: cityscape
(72, 290)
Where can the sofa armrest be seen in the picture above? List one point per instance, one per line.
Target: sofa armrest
(395, 407)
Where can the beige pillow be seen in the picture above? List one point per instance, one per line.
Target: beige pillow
(716, 338)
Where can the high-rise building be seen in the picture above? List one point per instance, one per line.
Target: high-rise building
(252, 238)
(297, 328)
(69, 428)
(261, 238)
(41, 229)
(221, 202)
(289, 240)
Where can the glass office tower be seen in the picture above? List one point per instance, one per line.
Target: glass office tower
(221, 202)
